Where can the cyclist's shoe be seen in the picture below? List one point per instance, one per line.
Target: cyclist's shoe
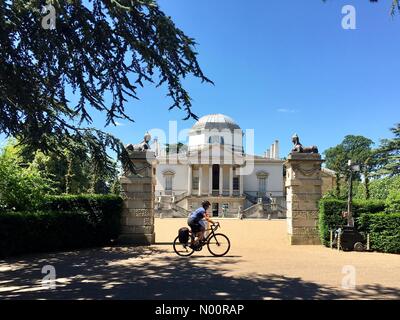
(196, 246)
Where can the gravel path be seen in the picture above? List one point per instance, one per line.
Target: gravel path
(261, 265)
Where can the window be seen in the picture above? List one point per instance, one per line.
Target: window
(168, 183)
(236, 183)
(195, 183)
(262, 185)
(168, 176)
(216, 140)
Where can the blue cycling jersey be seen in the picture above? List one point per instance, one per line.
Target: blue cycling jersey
(197, 215)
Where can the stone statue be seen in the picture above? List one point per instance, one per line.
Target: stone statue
(298, 147)
(142, 146)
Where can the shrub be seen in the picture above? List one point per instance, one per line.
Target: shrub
(330, 214)
(102, 209)
(384, 230)
(393, 202)
(65, 222)
(21, 188)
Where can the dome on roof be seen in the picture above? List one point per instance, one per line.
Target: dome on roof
(216, 129)
(215, 121)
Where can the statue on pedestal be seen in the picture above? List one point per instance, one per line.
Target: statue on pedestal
(142, 146)
(298, 147)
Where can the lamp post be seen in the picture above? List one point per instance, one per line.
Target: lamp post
(352, 169)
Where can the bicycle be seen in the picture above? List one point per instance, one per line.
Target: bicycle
(218, 244)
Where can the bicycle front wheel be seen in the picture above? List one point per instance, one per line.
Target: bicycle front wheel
(219, 245)
(182, 250)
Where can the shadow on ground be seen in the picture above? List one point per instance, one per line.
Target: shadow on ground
(149, 273)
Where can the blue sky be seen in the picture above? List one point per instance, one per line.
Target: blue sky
(282, 67)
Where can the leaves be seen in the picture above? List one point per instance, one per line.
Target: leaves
(388, 155)
(100, 48)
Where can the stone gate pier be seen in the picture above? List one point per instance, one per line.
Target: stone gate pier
(304, 190)
(138, 192)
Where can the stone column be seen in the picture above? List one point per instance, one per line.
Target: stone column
(210, 179)
(221, 180)
(303, 185)
(137, 221)
(231, 181)
(200, 180)
(241, 186)
(190, 174)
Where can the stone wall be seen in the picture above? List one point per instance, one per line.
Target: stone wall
(303, 186)
(138, 192)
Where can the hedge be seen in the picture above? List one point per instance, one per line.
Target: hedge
(65, 222)
(330, 214)
(384, 230)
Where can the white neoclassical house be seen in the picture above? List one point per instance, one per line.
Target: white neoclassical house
(215, 167)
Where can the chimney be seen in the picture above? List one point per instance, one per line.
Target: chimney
(277, 149)
(268, 153)
(156, 147)
(273, 151)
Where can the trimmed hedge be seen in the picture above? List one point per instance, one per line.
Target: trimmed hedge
(384, 230)
(104, 210)
(330, 214)
(65, 222)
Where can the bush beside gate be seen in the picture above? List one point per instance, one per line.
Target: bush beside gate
(64, 222)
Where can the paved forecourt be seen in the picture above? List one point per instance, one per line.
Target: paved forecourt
(261, 265)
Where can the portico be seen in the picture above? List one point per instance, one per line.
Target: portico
(214, 180)
(215, 167)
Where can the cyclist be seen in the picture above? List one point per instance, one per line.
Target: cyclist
(197, 221)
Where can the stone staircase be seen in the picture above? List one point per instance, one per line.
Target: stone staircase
(263, 209)
(167, 207)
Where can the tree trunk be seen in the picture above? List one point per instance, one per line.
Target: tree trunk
(337, 185)
(68, 177)
(366, 185)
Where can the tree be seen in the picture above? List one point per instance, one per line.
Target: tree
(176, 147)
(387, 156)
(99, 48)
(22, 186)
(355, 148)
(73, 172)
(336, 161)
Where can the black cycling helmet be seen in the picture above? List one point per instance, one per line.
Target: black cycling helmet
(206, 204)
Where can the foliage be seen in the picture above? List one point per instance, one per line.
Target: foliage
(72, 172)
(355, 148)
(393, 202)
(176, 148)
(330, 214)
(388, 154)
(74, 222)
(99, 48)
(384, 230)
(379, 188)
(22, 186)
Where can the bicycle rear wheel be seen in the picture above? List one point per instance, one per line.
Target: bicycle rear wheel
(219, 245)
(182, 250)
